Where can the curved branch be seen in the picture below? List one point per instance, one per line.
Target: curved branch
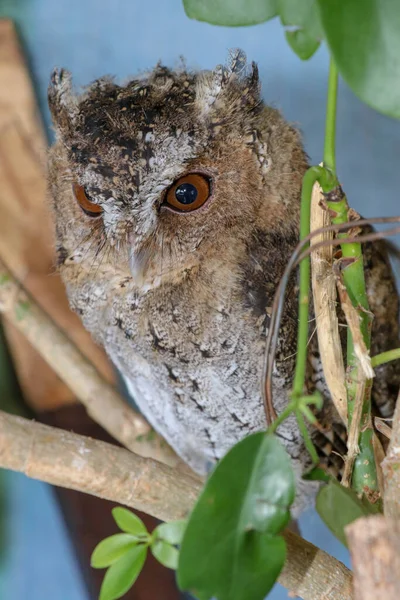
(74, 461)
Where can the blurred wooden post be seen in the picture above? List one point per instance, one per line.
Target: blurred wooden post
(374, 544)
(26, 243)
(26, 247)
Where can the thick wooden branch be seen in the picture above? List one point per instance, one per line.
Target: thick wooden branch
(375, 552)
(391, 469)
(69, 460)
(101, 399)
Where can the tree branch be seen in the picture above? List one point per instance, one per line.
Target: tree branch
(101, 400)
(375, 551)
(391, 469)
(80, 463)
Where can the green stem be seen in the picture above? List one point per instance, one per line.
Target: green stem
(282, 417)
(384, 357)
(306, 437)
(327, 182)
(364, 473)
(330, 123)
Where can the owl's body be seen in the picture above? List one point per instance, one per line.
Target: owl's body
(180, 298)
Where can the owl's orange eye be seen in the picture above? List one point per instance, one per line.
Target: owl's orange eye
(188, 193)
(88, 207)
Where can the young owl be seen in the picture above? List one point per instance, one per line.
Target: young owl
(176, 201)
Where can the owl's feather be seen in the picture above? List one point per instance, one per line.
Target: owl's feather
(181, 301)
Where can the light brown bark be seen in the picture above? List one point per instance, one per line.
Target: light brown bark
(69, 460)
(26, 240)
(391, 469)
(375, 552)
(101, 399)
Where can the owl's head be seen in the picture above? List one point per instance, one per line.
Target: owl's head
(168, 171)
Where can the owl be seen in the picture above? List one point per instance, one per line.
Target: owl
(176, 206)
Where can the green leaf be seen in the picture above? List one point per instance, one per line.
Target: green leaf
(229, 549)
(129, 522)
(365, 42)
(123, 573)
(338, 506)
(317, 474)
(303, 14)
(171, 532)
(166, 554)
(111, 549)
(231, 12)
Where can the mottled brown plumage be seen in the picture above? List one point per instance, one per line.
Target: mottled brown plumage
(180, 301)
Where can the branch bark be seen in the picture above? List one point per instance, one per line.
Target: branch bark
(375, 551)
(80, 463)
(391, 469)
(101, 400)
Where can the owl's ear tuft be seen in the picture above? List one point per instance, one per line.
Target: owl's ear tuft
(228, 83)
(63, 102)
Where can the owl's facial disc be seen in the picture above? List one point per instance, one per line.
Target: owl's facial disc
(186, 195)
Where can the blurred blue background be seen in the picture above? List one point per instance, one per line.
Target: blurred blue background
(96, 37)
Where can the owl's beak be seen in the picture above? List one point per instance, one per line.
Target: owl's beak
(139, 261)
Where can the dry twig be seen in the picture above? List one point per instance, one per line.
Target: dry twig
(353, 322)
(324, 296)
(383, 428)
(298, 254)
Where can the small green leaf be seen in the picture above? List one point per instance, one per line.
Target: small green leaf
(339, 506)
(166, 554)
(129, 522)
(111, 549)
(231, 13)
(365, 42)
(123, 573)
(171, 532)
(244, 504)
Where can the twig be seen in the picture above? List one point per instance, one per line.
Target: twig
(77, 462)
(382, 427)
(101, 400)
(353, 448)
(375, 552)
(391, 469)
(384, 357)
(353, 322)
(300, 252)
(353, 295)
